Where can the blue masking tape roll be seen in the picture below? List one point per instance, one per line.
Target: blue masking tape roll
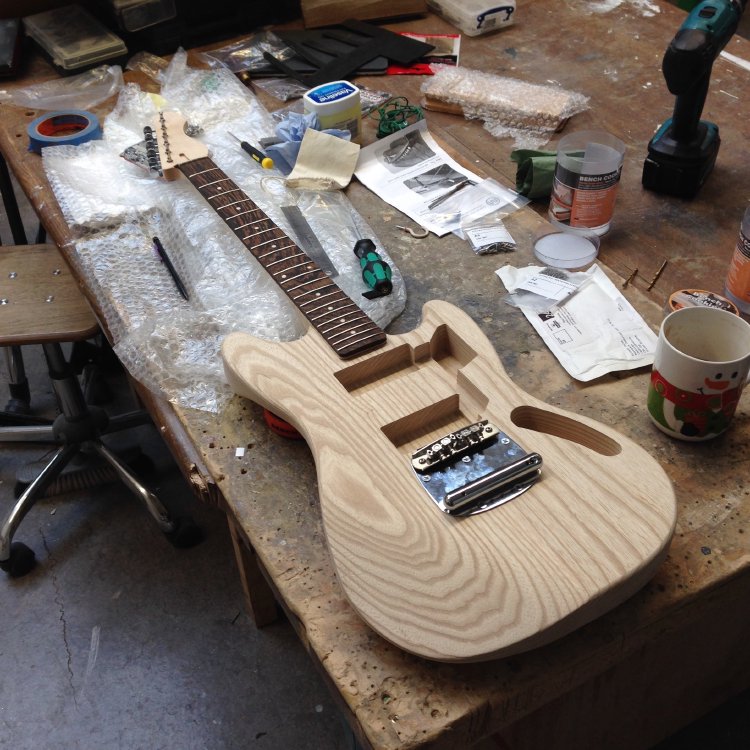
(69, 128)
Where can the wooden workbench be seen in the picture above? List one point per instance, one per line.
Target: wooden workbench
(676, 649)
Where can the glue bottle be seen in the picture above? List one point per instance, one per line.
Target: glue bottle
(737, 284)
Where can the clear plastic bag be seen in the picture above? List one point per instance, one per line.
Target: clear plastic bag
(488, 235)
(83, 91)
(471, 201)
(115, 208)
(247, 54)
(548, 290)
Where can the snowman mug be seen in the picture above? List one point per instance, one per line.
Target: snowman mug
(701, 365)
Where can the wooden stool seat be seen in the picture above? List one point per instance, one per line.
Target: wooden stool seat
(40, 301)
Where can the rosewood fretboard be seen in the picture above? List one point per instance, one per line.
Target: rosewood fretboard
(341, 322)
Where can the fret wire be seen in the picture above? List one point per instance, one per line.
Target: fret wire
(197, 174)
(289, 257)
(359, 325)
(215, 182)
(299, 286)
(337, 338)
(344, 339)
(242, 226)
(374, 335)
(317, 299)
(307, 263)
(345, 322)
(328, 312)
(229, 205)
(262, 231)
(242, 213)
(224, 193)
(296, 276)
(249, 224)
(273, 252)
(260, 244)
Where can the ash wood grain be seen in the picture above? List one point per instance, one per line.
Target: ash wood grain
(581, 540)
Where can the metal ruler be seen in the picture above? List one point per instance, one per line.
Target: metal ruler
(308, 240)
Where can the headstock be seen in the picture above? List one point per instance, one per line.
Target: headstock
(169, 143)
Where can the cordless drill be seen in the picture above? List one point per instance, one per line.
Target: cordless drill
(682, 153)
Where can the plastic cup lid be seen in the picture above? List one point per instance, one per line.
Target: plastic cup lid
(566, 249)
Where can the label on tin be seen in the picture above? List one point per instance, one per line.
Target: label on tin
(583, 200)
(330, 92)
(698, 298)
(738, 276)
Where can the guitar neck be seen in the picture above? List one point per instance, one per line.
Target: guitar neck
(340, 321)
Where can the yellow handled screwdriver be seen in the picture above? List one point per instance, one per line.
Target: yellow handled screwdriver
(265, 161)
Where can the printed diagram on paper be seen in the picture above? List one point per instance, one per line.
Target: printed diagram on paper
(411, 172)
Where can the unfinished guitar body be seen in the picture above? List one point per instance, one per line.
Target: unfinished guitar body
(465, 519)
(575, 540)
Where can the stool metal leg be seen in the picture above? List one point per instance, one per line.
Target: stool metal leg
(79, 428)
(28, 434)
(18, 385)
(33, 491)
(149, 499)
(11, 205)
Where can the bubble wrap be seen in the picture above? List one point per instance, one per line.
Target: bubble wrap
(115, 208)
(527, 112)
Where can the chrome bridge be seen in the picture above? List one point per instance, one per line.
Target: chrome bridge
(475, 469)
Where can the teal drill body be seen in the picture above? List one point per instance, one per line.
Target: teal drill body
(682, 153)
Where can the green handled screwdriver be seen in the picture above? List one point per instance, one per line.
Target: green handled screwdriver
(376, 273)
(265, 161)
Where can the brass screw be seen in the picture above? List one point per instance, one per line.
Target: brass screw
(657, 274)
(630, 278)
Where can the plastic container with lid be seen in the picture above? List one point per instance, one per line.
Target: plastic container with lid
(475, 17)
(135, 15)
(337, 105)
(563, 248)
(587, 175)
(698, 298)
(73, 39)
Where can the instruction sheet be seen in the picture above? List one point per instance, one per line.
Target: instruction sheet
(411, 172)
(592, 332)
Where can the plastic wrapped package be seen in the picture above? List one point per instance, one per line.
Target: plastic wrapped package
(211, 98)
(82, 91)
(248, 53)
(527, 112)
(95, 187)
(169, 344)
(150, 65)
